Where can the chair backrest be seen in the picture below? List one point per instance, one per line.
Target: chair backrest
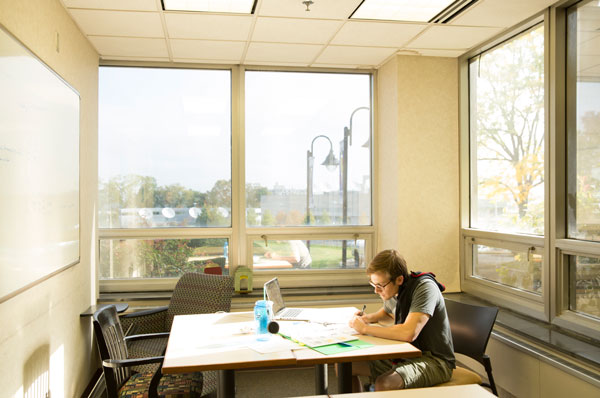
(112, 345)
(197, 293)
(471, 327)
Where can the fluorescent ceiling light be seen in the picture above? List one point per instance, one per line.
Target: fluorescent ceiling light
(400, 10)
(233, 6)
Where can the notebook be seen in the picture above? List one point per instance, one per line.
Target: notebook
(281, 312)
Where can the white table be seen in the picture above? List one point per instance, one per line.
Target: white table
(217, 342)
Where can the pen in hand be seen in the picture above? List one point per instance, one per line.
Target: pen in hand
(362, 312)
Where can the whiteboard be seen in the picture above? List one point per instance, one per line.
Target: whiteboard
(39, 170)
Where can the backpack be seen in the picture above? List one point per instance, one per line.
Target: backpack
(406, 291)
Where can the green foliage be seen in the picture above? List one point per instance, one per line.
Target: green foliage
(253, 194)
(164, 258)
(325, 219)
(267, 218)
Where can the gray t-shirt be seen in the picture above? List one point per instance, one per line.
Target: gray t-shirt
(435, 337)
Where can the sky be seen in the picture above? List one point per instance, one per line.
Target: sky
(175, 125)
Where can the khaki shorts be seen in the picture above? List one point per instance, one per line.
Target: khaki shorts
(424, 371)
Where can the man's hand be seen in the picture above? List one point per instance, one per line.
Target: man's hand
(358, 323)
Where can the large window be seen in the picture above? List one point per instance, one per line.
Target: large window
(307, 149)
(583, 80)
(507, 129)
(507, 163)
(173, 198)
(581, 248)
(532, 235)
(160, 132)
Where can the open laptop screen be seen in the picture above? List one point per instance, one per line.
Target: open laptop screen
(274, 294)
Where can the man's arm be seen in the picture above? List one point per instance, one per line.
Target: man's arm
(377, 316)
(407, 331)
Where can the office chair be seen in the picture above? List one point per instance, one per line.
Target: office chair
(121, 381)
(471, 327)
(194, 293)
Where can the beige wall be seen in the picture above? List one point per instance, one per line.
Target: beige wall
(42, 337)
(417, 166)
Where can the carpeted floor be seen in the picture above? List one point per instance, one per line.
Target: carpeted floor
(274, 383)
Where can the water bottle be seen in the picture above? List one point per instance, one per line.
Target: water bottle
(225, 249)
(262, 318)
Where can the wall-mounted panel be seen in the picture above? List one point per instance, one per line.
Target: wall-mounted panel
(39, 170)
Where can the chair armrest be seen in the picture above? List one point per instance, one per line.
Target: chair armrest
(120, 363)
(147, 336)
(143, 312)
(146, 321)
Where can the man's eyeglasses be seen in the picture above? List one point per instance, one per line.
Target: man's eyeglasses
(377, 286)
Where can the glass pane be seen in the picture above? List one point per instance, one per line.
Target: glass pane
(507, 133)
(585, 285)
(583, 123)
(164, 148)
(308, 254)
(308, 157)
(161, 258)
(518, 269)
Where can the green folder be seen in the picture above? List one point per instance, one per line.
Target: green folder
(342, 347)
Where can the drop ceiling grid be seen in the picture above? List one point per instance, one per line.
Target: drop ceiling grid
(281, 33)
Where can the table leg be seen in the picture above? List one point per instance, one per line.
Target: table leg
(226, 387)
(321, 379)
(344, 377)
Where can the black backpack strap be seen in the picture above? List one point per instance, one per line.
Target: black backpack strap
(406, 291)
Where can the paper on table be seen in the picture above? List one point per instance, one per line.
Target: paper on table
(313, 334)
(274, 344)
(205, 346)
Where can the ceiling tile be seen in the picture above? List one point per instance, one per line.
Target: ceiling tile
(338, 66)
(131, 5)
(592, 72)
(501, 13)
(590, 47)
(206, 61)
(326, 9)
(380, 34)
(118, 23)
(427, 52)
(206, 49)
(453, 37)
(277, 63)
(208, 27)
(587, 62)
(273, 52)
(135, 47)
(131, 58)
(288, 30)
(347, 55)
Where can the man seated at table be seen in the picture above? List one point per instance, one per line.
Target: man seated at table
(415, 304)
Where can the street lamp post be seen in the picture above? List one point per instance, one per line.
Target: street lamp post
(344, 175)
(330, 162)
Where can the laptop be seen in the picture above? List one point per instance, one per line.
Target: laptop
(280, 311)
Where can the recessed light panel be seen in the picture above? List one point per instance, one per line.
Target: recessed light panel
(400, 10)
(232, 6)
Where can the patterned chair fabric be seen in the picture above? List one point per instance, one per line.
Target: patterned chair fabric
(121, 381)
(194, 293)
(185, 385)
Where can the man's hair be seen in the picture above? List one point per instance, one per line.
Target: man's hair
(390, 262)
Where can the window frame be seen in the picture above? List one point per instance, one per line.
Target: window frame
(239, 235)
(557, 247)
(529, 303)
